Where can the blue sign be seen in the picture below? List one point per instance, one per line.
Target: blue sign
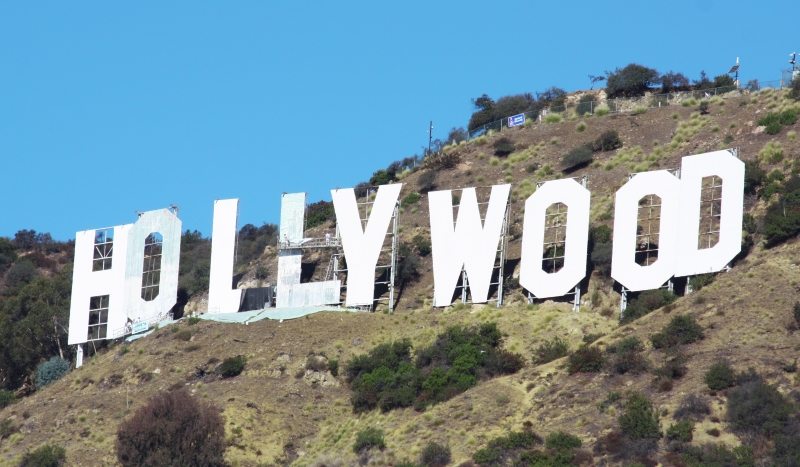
(140, 327)
(516, 120)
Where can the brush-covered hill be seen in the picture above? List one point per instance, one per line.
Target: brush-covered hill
(618, 394)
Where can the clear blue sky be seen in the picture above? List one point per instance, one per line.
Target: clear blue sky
(111, 107)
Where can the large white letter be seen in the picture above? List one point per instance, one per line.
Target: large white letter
(623, 263)
(98, 284)
(152, 293)
(362, 247)
(469, 245)
(222, 297)
(691, 259)
(532, 276)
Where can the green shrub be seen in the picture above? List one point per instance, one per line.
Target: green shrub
(796, 310)
(681, 431)
(503, 146)
(701, 280)
(380, 177)
(333, 366)
(550, 350)
(562, 441)
(608, 141)
(630, 81)
(7, 428)
(628, 344)
(435, 455)
(788, 117)
(577, 157)
(51, 371)
(720, 376)
(6, 398)
(410, 199)
(422, 244)
(639, 419)
(427, 181)
(506, 447)
(183, 335)
(46, 456)
(319, 213)
(782, 219)
(580, 127)
(232, 366)
(586, 359)
(173, 428)
(692, 407)
(682, 329)
(646, 302)
(757, 407)
(610, 399)
(192, 320)
(773, 128)
(600, 233)
(601, 111)
(703, 108)
(553, 117)
(368, 439)
(601, 257)
(713, 455)
(387, 377)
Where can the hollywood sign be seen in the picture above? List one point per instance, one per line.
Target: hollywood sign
(126, 277)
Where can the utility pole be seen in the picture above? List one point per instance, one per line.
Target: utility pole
(430, 137)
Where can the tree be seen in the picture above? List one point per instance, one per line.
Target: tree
(672, 82)
(633, 80)
(595, 80)
(172, 429)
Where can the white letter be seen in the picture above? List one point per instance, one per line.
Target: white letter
(222, 297)
(163, 266)
(623, 263)
(362, 247)
(99, 271)
(723, 164)
(470, 245)
(532, 276)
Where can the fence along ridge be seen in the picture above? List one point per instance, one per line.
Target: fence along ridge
(628, 104)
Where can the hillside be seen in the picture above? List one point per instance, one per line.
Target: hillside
(280, 412)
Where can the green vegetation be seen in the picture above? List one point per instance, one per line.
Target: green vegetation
(587, 359)
(51, 371)
(410, 199)
(319, 213)
(333, 366)
(639, 419)
(712, 455)
(387, 377)
(49, 455)
(6, 398)
(626, 356)
(647, 302)
(782, 219)
(232, 366)
(368, 439)
(720, 376)
(503, 146)
(504, 448)
(681, 431)
(435, 455)
(682, 329)
(173, 428)
(608, 141)
(578, 157)
(630, 81)
(550, 350)
(757, 407)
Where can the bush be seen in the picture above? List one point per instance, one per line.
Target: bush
(46, 456)
(646, 302)
(629, 362)
(435, 455)
(368, 439)
(407, 265)
(21, 273)
(427, 181)
(422, 244)
(608, 141)
(720, 376)
(633, 80)
(701, 280)
(333, 367)
(788, 117)
(503, 146)
(561, 441)
(681, 431)
(504, 448)
(387, 377)
(232, 366)
(757, 407)
(318, 213)
(173, 428)
(6, 398)
(628, 344)
(682, 329)
(718, 455)
(183, 335)
(580, 127)
(553, 117)
(600, 234)
(796, 313)
(578, 157)
(586, 359)
(601, 257)
(703, 108)
(640, 419)
(192, 320)
(51, 371)
(773, 128)
(602, 111)
(550, 350)
(409, 199)
(692, 407)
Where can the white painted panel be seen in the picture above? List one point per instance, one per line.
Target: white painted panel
(312, 294)
(532, 277)
(169, 226)
(723, 164)
(222, 298)
(469, 244)
(87, 283)
(293, 206)
(624, 268)
(362, 247)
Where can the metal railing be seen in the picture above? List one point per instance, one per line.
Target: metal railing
(628, 105)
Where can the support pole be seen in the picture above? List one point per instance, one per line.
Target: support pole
(394, 256)
(577, 305)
